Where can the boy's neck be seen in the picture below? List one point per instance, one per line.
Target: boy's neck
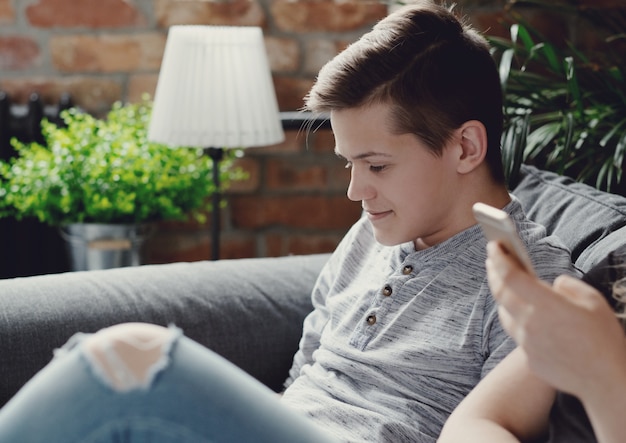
(495, 195)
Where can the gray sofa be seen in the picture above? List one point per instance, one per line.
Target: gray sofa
(248, 310)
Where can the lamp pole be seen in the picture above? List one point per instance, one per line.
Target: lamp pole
(215, 88)
(216, 155)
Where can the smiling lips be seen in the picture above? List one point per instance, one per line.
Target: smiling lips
(373, 215)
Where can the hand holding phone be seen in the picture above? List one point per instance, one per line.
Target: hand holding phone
(498, 226)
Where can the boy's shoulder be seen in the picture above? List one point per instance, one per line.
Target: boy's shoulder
(549, 254)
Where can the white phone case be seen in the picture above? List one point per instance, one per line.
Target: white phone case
(497, 225)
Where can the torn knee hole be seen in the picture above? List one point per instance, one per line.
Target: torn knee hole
(129, 356)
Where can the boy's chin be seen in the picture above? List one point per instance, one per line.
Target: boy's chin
(389, 240)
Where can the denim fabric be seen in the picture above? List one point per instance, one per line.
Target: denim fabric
(195, 396)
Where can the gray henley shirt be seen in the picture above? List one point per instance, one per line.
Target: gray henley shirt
(399, 336)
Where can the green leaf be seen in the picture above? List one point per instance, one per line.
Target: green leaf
(107, 171)
(505, 67)
(525, 38)
(575, 97)
(551, 57)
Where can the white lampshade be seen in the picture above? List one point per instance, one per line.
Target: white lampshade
(215, 90)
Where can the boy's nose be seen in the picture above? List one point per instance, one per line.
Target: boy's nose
(359, 189)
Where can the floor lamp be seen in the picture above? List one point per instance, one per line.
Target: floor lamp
(215, 91)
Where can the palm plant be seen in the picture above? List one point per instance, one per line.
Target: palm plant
(565, 110)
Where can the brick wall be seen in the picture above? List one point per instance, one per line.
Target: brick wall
(101, 51)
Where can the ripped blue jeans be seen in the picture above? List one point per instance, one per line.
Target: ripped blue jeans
(185, 394)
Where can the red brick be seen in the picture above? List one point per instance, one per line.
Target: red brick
(294, 142)
(319, 52)
(323, 140)
(95, 95)
(283, 54)
(166, 246)
(7, 13)
(141, 84)
(252, 167)
(237, 246)
(313, 244)
(340, 177)
(326, 15)
(274, 245)
(196, 246)
(277, 245)
(290, 91)
(84, 14)
(18, 52)
(203, 12)
(299, 211)
(107, 53)
(293, 175)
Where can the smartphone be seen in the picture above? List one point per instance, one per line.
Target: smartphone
(497, 225)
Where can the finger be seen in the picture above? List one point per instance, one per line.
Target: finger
(513, 325)
(506, 320)
(498, 251)
(503, 277)
(575, 289)
(508, 298)
(500, 257)
(498, 269)
(505, 273)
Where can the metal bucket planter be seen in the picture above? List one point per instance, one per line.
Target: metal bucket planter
(103, 246)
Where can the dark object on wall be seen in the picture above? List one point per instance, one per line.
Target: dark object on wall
(24, 121)
(28, 247)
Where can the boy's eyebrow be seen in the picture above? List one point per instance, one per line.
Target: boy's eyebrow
(364, 155)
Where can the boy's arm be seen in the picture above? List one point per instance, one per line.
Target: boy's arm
(550, 261)
(509, 405)
(313, 326)
(316, 321)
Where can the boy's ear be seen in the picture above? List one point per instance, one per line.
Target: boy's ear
(473, 144)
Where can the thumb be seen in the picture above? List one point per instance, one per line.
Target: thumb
(575, 289)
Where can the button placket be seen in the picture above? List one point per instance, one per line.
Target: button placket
(386, 291)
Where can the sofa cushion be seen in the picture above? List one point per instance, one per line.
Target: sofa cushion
(590, 222)
(247, 310)
(608, 271)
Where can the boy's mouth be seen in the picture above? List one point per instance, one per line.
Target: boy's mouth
(377, 215)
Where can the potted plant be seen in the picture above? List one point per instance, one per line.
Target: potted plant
(565, 109)
(103, 183)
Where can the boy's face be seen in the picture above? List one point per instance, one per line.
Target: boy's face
(407, 191)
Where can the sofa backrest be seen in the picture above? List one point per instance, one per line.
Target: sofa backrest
(590, 222)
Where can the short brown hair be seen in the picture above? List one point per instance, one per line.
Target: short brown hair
(433, 69)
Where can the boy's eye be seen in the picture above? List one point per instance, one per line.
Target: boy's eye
(376, 168)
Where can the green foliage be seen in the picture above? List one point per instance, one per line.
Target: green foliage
(106, 171)
(565, 110)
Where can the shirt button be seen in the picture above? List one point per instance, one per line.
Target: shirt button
(371, 319)
(407, 269)
(387, 291)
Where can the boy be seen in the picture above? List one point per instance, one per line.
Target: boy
(404, 324)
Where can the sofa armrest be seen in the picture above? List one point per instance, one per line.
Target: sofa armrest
(586, 219)
(248, 310)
